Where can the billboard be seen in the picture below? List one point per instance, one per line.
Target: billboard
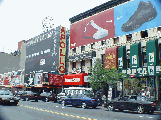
(111, 58)
(93, 29)
(55, 79)
(38, 78)
(137, 15)
(62, 50)
(127, 18)
(42, 52)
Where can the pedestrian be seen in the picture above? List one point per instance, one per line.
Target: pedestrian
(142, 93)
(147, 93)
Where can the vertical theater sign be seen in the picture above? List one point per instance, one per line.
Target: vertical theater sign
(62, 50)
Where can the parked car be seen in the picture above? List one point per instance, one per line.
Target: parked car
(80, 100)
(132, 102)
(29, 95)
(45, 96)
(7, 97)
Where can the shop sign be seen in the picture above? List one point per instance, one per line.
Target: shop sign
(134, 60)
(72, 80)
(128, 71)
(151, 58)
(151, 70)
(135, 55)
(62, 50)
(120, 62)
(111, 58)
(158, 69)
(38, 85)
(142, 71)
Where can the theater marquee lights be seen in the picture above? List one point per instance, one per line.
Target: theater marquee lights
(62, 49)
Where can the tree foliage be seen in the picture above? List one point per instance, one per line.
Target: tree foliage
(100, 76)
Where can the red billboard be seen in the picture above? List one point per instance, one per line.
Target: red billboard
(55, 79)
(74, 79)
(111, 58)
(93, 29)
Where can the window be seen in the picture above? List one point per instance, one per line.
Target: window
(160, 53)
(128, 63)
(74, 50)
(116, 40)
(144, 60)
(129, 37)
(82, 48)
(82, 66)
(103, 42)
(74, 65)
(92, 46)
(103, 59)
(144, 34)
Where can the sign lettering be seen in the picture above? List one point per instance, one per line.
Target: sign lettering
(62, 49)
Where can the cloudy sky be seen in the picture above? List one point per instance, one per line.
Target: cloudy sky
(22, 19)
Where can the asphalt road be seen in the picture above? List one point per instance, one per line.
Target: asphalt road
(28, 110)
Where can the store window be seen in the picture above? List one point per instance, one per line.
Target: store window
(74, 65)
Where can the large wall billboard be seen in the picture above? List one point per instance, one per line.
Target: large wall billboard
(43, 53)
(96, 28)
(130, 17)
(136, 16)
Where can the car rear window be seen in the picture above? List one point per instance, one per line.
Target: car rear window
(5, 92)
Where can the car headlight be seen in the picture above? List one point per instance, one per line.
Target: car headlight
(4, 98)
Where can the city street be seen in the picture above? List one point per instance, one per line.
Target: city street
(53, 111)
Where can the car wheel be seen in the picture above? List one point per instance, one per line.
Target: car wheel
(150, 112)
(110, 107)
(120, 110)
(84, 105)
(140, 109)
(94, 107)
(63, 103)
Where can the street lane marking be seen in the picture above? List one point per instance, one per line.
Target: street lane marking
(59, 113)
(140, 116)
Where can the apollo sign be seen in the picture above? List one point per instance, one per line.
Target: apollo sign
(62, 49)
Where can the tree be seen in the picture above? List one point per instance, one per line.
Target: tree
(102, 78)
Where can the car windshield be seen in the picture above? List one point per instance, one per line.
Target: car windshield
(5, 92)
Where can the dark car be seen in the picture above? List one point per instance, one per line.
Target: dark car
(132, 102)
(48, 97)
(80, 100)
(6, 97)
(29, 95)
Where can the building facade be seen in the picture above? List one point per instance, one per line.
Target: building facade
(123, 35)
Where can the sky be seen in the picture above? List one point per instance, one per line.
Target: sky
(22, 19)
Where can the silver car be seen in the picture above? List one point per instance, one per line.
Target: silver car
(6, 97)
